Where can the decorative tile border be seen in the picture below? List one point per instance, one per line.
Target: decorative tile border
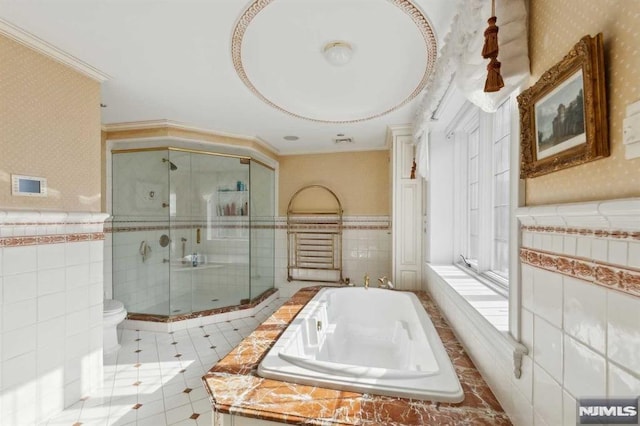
(349, 224)
(19, 228)
(118, 229)
(50, 239)
(29, 227)
(614, 277)
(49, 223)
(334, 227)
(600, 233)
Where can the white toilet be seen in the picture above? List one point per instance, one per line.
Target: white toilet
(113, 314)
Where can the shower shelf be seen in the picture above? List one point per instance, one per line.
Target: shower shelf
(182, 268)
(314, 241)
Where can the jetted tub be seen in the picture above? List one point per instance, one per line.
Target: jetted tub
(365, 340)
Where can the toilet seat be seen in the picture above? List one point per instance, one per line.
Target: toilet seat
(112, 307)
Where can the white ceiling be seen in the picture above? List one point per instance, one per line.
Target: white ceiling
(171, 59)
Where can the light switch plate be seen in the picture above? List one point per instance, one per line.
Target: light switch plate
(633, 109)
(631, 129)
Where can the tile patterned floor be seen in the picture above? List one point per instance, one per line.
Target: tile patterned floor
(154, 379)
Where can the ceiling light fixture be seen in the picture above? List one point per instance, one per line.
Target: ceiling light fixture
(337, 53)
(290, 138)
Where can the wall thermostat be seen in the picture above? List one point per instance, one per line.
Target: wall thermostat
(28, 186)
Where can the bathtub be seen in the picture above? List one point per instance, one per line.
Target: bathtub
(365, 340)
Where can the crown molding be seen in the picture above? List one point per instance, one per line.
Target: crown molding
(31, 41)
(397, 130)
(170, 124)
(333, 151)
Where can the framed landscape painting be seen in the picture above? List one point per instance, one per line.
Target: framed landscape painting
(563, 120)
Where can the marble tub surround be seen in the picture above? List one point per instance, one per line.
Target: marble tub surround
(236, 389)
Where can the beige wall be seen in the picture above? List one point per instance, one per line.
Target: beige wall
(49, 127)
(359, 179)
(555, 26)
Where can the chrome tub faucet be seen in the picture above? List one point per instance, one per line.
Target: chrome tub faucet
(385, 283)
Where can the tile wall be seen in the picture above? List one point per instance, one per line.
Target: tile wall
(149, 286)
(366, 249)
(579, 314)
(51, 277)
(580, 267)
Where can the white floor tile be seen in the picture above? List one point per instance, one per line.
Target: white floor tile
(178, 414)
(175, 387)
(205, 419)
(151, 409)
(203, 405)
(187, 422)
(144, 381)
(194, 383)
(177, 400)
(156, 420)
(197, 395)
(126, 418)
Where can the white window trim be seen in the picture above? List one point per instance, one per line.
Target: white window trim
(516, 200)
(465, 121)
(457, 108)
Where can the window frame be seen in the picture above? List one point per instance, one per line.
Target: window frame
(469, 119)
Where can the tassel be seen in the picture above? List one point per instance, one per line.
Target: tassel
(494, 80)
(490, 48)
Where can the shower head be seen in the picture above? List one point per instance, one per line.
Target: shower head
(171, 165)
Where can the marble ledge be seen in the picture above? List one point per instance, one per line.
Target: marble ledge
(245, 304)
(235, 388)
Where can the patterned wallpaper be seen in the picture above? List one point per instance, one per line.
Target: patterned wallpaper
(555, 26)
(360, 179)
(49, 127)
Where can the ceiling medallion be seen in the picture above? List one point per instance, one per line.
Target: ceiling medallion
(406, 6)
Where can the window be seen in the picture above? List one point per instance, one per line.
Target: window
(481, 203)
(500, 196)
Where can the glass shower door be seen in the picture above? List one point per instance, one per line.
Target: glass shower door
(180, 224)
(262, 228)
(181, 235)
(211, 224)
(140, 219)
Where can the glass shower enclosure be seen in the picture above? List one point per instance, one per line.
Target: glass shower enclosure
(192, 230)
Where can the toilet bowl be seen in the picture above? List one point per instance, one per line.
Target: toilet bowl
(113, 314)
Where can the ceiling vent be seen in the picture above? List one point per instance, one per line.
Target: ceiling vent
(342, 140)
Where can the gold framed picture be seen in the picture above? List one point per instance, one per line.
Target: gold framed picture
(563, 117)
